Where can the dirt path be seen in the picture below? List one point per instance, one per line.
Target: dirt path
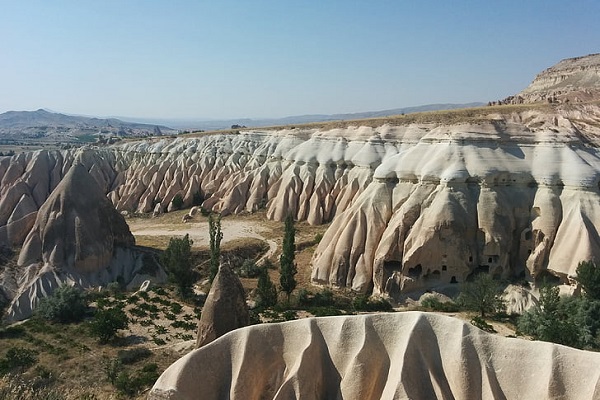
(198, 231)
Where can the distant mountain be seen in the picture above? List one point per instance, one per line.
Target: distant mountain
(302, 119)
(42, 125)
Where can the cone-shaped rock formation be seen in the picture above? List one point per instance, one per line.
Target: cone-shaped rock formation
(225, 308)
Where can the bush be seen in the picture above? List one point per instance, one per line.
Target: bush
(177, 202)
(588, 275)
(107, 322)
(364, 303)
(434, 304)
(249, 269)
(481, 324)
(17, 359)
(66, 304)
(134, 355)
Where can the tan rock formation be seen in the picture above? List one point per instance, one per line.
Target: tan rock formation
(225, 307)
(408, 355)
(572, 80)
(77, 237)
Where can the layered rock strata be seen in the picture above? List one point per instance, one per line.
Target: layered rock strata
(385, 356)
(572, 80)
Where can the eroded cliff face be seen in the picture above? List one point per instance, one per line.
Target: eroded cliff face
(411, 206)
(512, 196)
(572, 80)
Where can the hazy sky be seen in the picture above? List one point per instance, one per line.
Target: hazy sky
(245, 58)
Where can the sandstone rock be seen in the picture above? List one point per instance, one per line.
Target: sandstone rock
(380, 356)
(225, 307)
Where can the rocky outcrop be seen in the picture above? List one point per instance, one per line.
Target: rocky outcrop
(572, 80)
(385, 356)
(225, 308)
(77, 237)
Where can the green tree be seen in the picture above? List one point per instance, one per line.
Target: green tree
(266, 290)
(66, 304)
(107, 322)
(588, 275)
(214, 228)
(483, 295)
(554, 320)
(177, 259)
(288, 270)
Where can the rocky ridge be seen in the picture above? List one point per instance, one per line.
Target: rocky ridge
(572, 80)
(512, 192)
(408, 355)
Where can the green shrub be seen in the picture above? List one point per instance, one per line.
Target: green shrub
(66, 304)
(266, 291)
(107, 322)
(177, 259)
(177, 202)
(17, 359)
(364, 303)
(481, 324)
(249, 269)
(134, 355)
(434, 304)
(318, 238)
(483, 295)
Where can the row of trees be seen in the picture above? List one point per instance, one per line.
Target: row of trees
(177, 259)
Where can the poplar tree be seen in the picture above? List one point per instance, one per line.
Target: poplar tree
(286, 261)
(214, 227)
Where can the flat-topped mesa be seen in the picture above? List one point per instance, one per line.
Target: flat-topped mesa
(572, 80)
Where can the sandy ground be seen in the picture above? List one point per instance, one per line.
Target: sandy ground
(198, 231)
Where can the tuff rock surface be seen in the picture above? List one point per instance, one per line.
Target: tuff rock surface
(412, 206)
(408, 355)
(77, 237)
(225, 308)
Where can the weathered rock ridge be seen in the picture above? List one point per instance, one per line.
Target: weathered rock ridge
(407, 355)
(413, 206)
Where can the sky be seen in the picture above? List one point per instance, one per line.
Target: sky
(268, 59)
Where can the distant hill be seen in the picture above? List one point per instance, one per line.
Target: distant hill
(302, 119)
(45, 126)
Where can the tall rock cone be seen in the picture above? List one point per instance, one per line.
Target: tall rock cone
(225, 308)
(77, 227)
(78, 238)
